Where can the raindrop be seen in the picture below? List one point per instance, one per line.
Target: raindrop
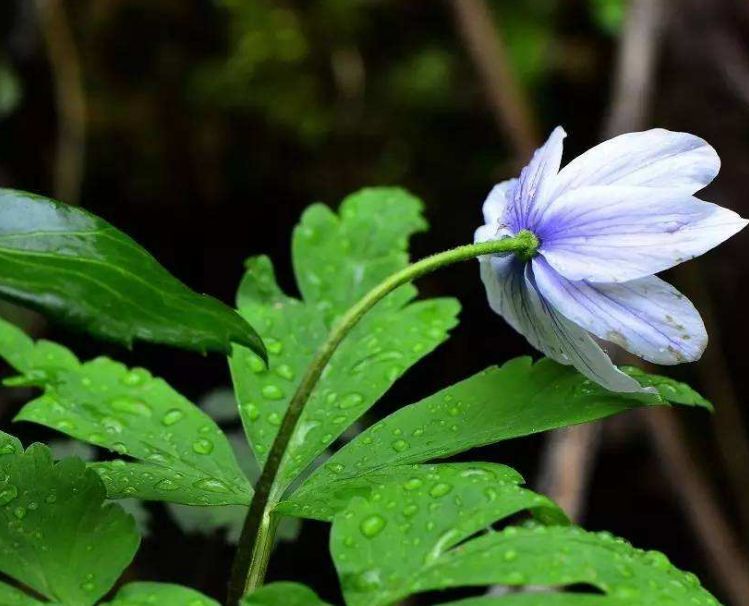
(131, 406)
(440, 489)
(412, 484)
(351, 400)
(211, 485)
(172, 416)
(372, 525)
(400, 446)
(202, 446)
(272, 392)
(135, 377)
(285, 372)
(167, 484)
(274, 346)
(274, 419)
(251, 411)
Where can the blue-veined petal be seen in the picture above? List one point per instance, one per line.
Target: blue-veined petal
(618, 234)
(496, 202)
(512, 294)
(653, 158)
(647, 317)
(535, 182)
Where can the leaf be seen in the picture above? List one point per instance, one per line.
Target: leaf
(65, 262)
(163, 594)
(10, 596)
(339, 258)
(283, 594)
(336, 260)
(518, 399)
(542, 598)
(337, 495)
(412, 537)
(9, 444)
(66, 544)
(406, 525)
(669, 389)
(184, 456)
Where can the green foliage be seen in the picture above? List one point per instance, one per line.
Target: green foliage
(516, 400)
(72, 265)
(183, 455)
(283, 594)
(609, 15)
(10, 89)
(336, 260)
(10, 596)
(403, 540)
(57, 536)
(163, 594)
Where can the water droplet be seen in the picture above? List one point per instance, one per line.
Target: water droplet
(172, 416)
(131, 406)
(440, 489)
(274, 346)
(251, 411)
(167, 484)
(137, 376)
(272, 392)
(412, 484)
(400, 445)
(111, 425)
(410, 510)
(274, 419)
(256, 364)
(202, 446)
(372, 525)
(510, 555)
(50, 498)
(119, 448)
(7, 494)
(351, 400)
(19, 512)
(211, 485)
(285, 372)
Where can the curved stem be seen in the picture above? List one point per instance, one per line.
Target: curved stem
(253, 549)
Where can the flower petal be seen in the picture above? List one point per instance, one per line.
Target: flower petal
(647, 317)
(513, 295)
(497, 200)
(618, 234)
(653, 158)
(535, 181)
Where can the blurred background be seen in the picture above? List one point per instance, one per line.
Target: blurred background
(203, 128)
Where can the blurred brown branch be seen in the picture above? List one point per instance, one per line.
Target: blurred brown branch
(65, 63)
(507, 101)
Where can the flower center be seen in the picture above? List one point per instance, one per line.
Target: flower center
(530, 244)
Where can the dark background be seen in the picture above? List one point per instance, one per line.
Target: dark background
(203, 128)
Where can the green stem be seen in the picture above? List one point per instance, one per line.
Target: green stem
(253, 550)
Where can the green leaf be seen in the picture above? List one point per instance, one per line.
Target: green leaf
(407, 525)
(184, 456)
(339, 258)
(10, 596)
(543, 598)
(336, 260)
(67, 545)
(669, 389)
(518, 399)
(9, 444)
(65, 262)
(283, 594)
(162, 594)
(337, 495)
(416, 536)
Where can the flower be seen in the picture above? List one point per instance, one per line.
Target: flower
(605, 223)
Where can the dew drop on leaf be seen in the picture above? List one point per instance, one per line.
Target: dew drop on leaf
(440, 489)
(202, 446)
(400, 445)
(372, 525)
(272, 392)
(172, 416)
(131, 406)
